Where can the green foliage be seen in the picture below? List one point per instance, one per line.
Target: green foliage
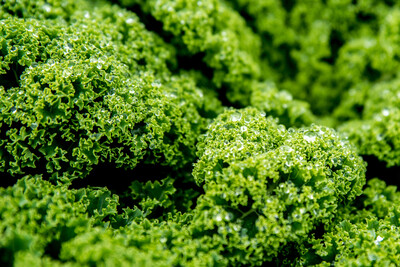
(376, 131)
(327, 46)
(261, 194)
(79, 96)
(215, 31)
(199, 133)
(37, 217)
(53, 9)
(280, 104)
(361, 237)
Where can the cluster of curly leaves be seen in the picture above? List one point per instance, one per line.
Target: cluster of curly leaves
(195, 133)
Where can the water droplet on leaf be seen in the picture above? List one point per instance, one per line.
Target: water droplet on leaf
(236, 116)
(310, 136)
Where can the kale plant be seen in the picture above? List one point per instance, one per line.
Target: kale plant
(199, 133)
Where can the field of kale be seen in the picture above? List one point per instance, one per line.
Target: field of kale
(199, 133)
